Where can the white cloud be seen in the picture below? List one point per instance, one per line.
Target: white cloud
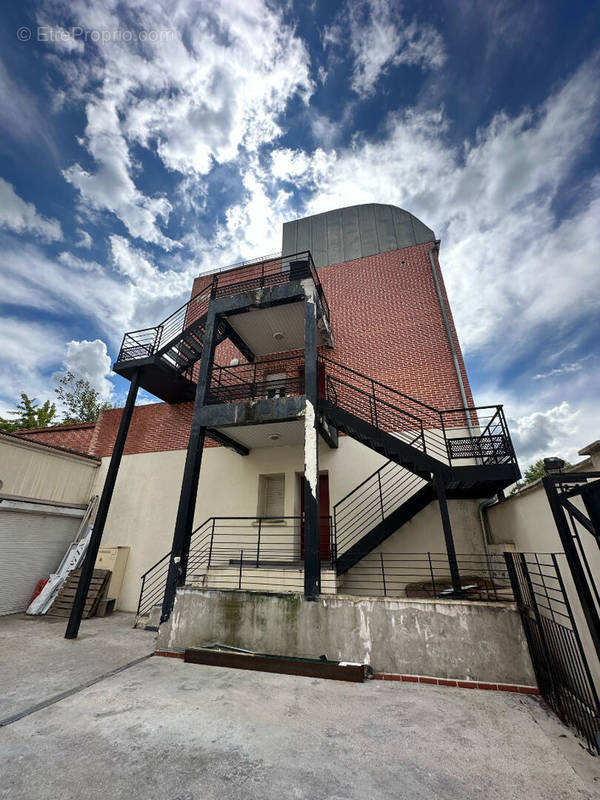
(85, 240)
(59, 38)
(565, 368)
(379, 38)
(111, 186)
(76, 263)
(510, 266)
(215, 88)
(545, 433)
(154, 292)
(21, 217)
(90, 360)
(64, 287)
(45, 346)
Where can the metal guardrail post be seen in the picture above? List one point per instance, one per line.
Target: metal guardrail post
(258, 542)
(383, 574)
(212, 536)
(333, 545)
(433, 589)
(380, 496)
(137, 613)
(253, 389)
(445, 437)
(241, 564)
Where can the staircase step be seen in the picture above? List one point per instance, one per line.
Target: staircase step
(193, 343)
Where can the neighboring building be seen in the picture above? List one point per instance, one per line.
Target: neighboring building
(44, 493)
(338, 359)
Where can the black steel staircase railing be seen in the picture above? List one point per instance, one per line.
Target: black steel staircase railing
(218, 541)
(278, 376)
(373, 501)
(478, 433)
(177, 340)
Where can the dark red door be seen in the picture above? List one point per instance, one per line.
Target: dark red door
(325, 529)
(321, 377)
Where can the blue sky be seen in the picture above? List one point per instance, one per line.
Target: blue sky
(143, 143)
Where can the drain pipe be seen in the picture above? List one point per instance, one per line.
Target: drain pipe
(438, 288)
(481, 509)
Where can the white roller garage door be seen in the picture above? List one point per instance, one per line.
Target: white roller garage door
(33, 540)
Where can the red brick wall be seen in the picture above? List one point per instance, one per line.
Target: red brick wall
(387, 324)
(73, 437)
(154, 427)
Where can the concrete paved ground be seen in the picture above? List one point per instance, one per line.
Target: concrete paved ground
(174, 731)
(37, 662)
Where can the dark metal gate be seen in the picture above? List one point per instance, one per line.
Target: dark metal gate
(559, 602)
(557, 652)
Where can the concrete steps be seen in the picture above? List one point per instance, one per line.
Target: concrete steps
(260, 579)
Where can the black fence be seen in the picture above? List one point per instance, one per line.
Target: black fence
(557, 652)
(266, 556)
(427, 575)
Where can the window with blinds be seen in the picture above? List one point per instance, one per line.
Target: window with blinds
(271, 496)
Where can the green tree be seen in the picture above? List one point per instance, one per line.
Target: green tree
(29, 415)
(82, 401)
(533, 473)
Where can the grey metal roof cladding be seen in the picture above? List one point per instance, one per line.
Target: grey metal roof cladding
(354, 232)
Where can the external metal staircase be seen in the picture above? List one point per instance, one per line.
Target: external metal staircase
(465, 451)
(167, 353)
(375, 509)
(470, 447)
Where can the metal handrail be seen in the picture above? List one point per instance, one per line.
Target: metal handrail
(377, 383)
(219, 286)
(150, 582)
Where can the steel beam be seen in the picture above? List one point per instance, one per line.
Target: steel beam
(227, 441)
(329, 433)
(590, 494)
(191, 472)
(237, 340)
(440, 491)
(312, 535)
(103, 507)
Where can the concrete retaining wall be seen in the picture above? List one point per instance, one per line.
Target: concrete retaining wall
(441, 638)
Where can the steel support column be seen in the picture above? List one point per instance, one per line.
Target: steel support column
(103, 507)
(312, 554)
(440, 490)
(189, 486)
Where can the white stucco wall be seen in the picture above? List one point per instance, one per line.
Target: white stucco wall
(144, 505)
(32, 471)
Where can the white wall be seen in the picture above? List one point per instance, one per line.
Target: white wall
(35, 472)
(144, 505)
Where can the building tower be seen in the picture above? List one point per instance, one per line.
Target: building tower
(344, 342)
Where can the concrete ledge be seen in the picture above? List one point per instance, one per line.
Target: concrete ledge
(453, 640)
